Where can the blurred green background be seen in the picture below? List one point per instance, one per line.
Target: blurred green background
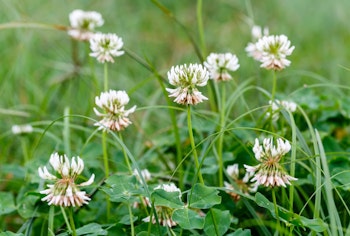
(37, 77)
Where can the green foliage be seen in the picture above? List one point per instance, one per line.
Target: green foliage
(7, 233)
(7, 203)
(92, 229)
(122, 188)
(188, 219)
(290, 218)
(203, 197)
(217, 222)
(240, 232)
(48, 80)
(167, 199)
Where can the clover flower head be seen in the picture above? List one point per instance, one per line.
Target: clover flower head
(22, 129)
(269, 172)
(241, 184)
(171, 187)
(258, 32)
(274, 50)
(186, 78)
(164, 217)
(146, 175)
(65, 192)
(233, 170)
(115, 116)
(164, 213)
(277, 105)
(287, 105)
(83, 24)
(218, 65)
(106, 46)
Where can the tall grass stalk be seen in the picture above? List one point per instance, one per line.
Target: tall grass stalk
(335, 222)
(292, 164)
(316, 167)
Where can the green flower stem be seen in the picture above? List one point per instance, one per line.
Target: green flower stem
(276, 209)
(221, 135)
(195, 156)
(92, 71)
(66, 132)
(105, 153)
(126, 158)
(75, 53)
(131, 216)
(104, 142)
(273, 93)
(105, 79)
(50, 223)
(71, 220)
(66, 220)
(106, 165)
(200, 27)
(274, 84)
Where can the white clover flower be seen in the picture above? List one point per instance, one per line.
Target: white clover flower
(83, 24)
(168, 188)
(241, 184)
(257, 33)
(164, 217)
(115, 117)
(22, 129)
(164, 213)
(269, 172)
(186, 78)
(274, 49)
(277, 105)
(253, 52)
(218, 65)
(233, 170)
(65, 192)
(146, 175)
(106, 46)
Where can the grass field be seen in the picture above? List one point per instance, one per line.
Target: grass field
(49, 81)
